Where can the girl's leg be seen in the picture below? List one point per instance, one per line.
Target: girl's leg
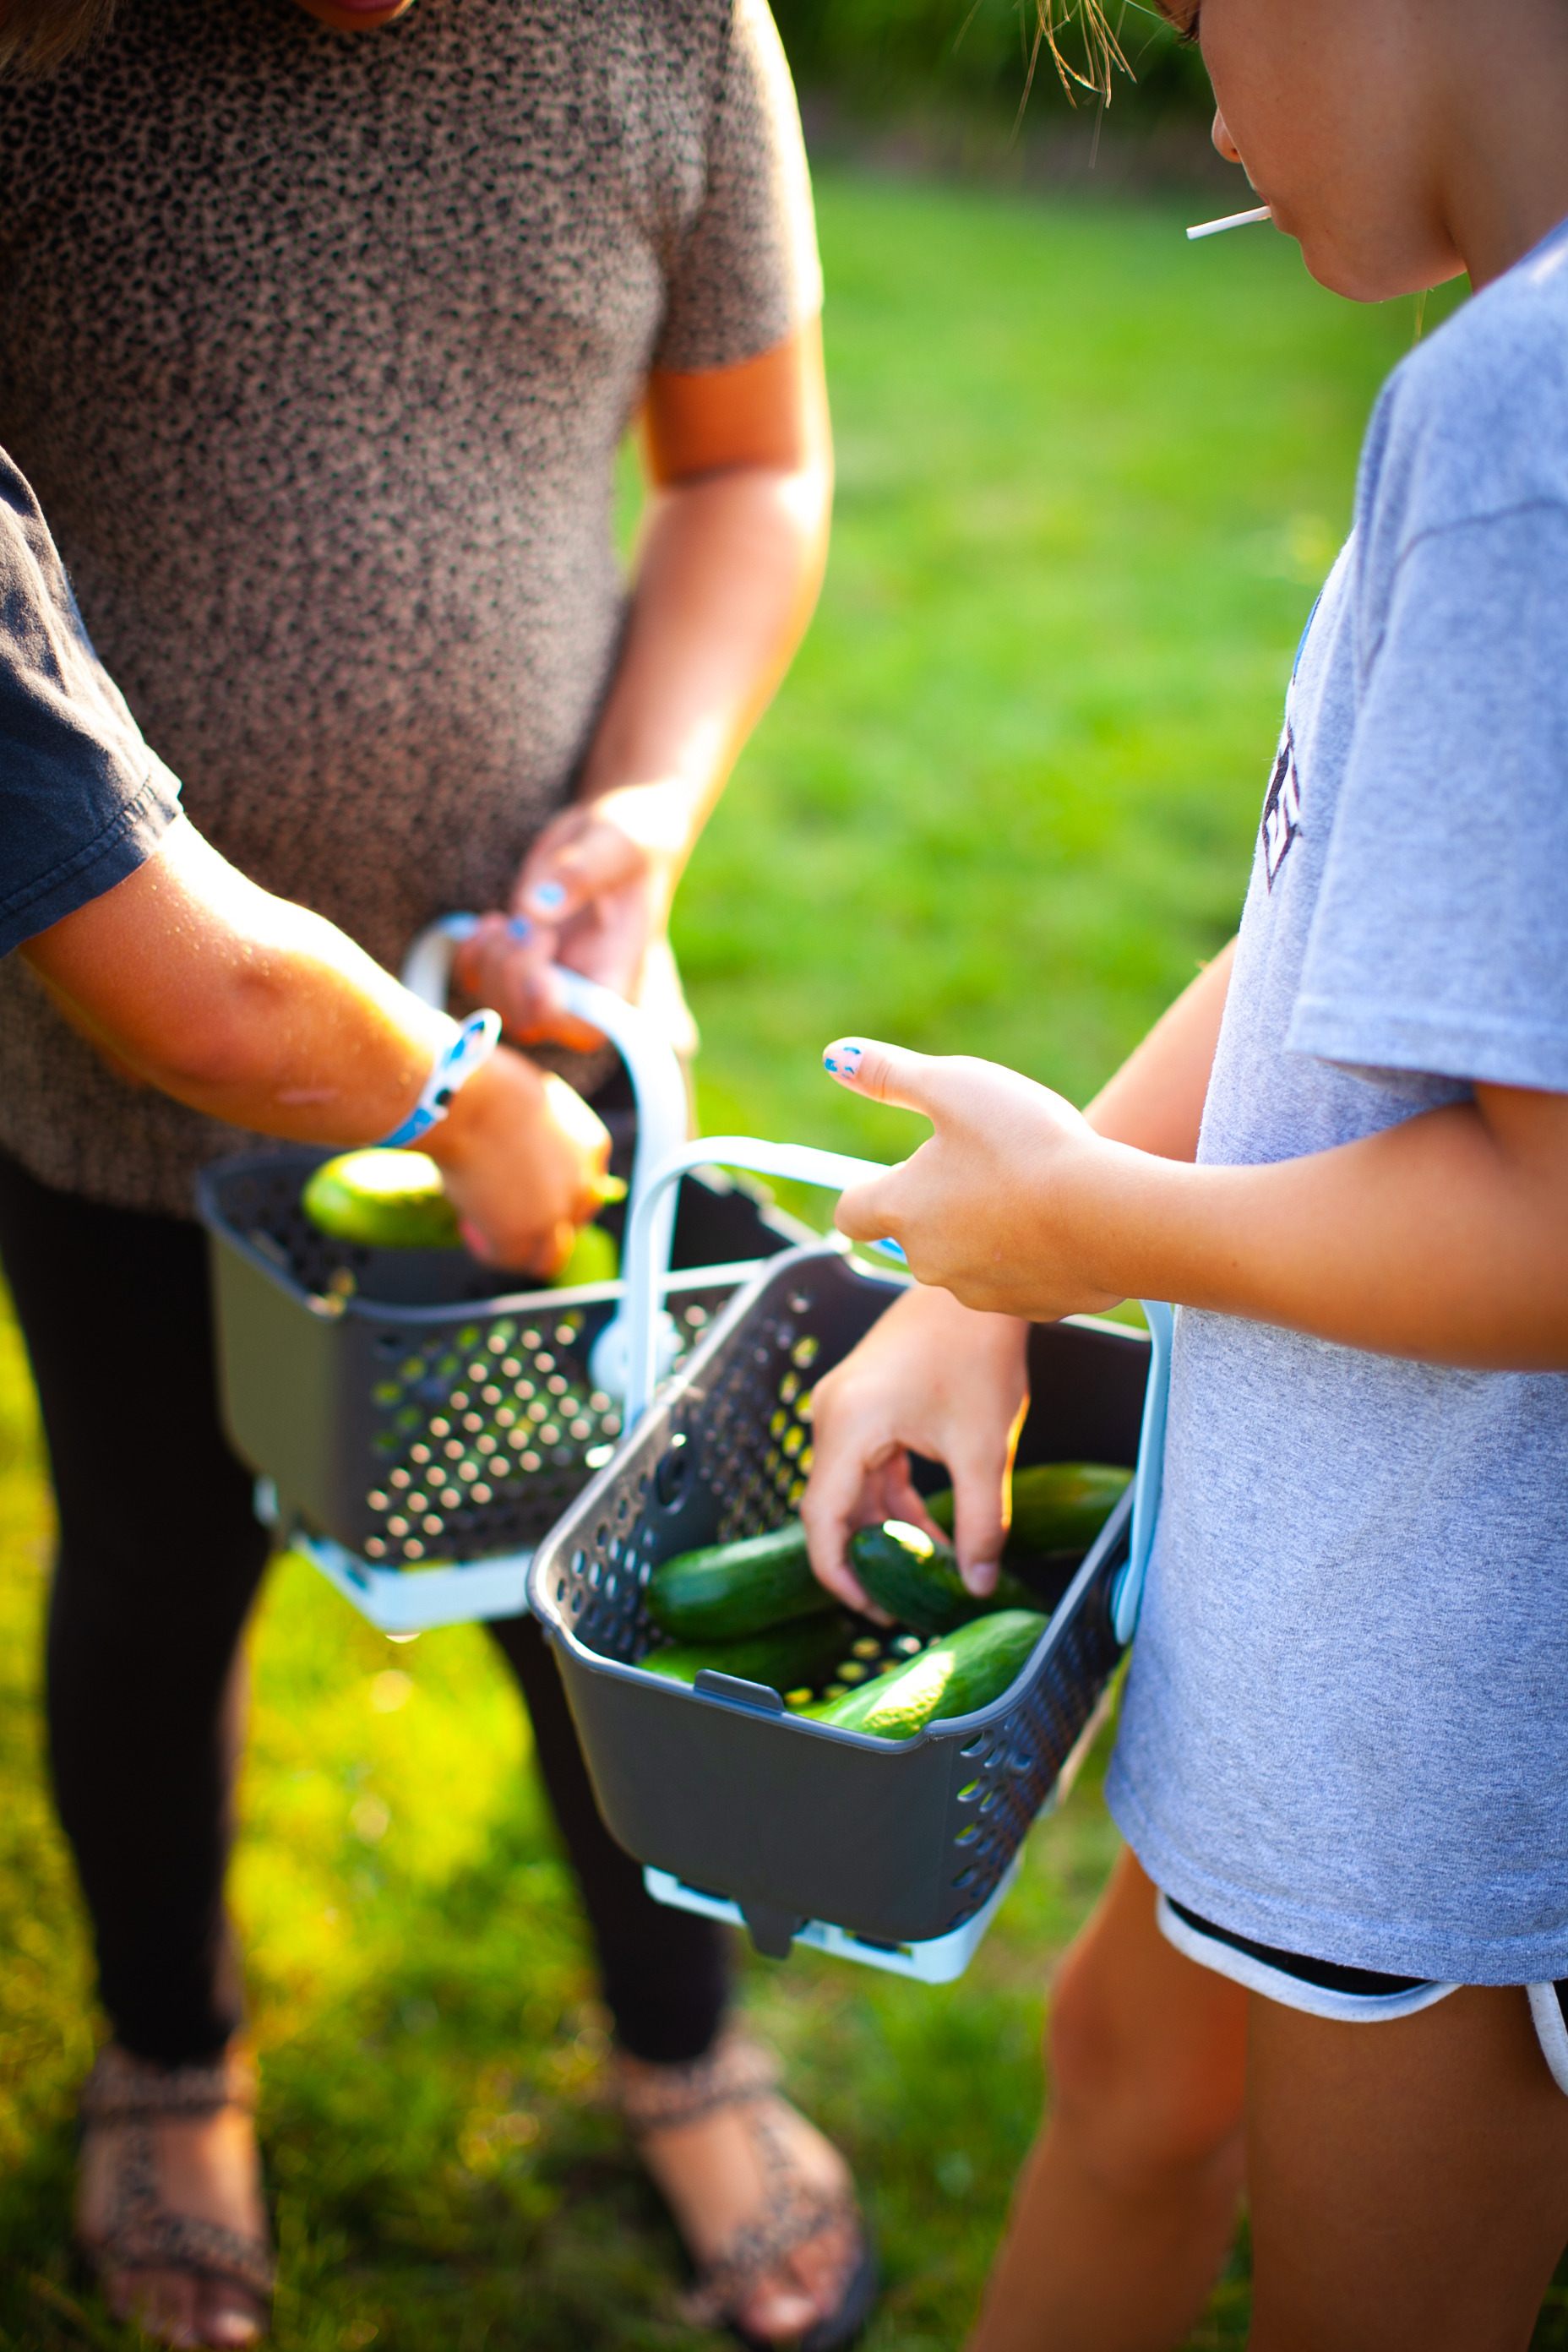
(1126, 2205)
(1408, 2180)
(159, 1561)
(665, 1982)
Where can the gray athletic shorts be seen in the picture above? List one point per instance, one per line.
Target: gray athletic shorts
(1353, 1996)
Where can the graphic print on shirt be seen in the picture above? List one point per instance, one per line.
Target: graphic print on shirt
(1281, 809)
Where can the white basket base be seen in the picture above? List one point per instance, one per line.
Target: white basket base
(406, 1600)
(939, 1961)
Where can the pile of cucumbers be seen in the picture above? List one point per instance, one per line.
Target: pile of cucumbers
(753, 1609)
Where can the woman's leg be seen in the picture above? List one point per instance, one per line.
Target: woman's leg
(665, 1982)
(665, 1973)
(1408, 2180)
(1127, 2203)
(159, 1561)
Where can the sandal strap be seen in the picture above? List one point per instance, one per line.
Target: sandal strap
(736, 2071)
(123, 2089)
(160, 2240)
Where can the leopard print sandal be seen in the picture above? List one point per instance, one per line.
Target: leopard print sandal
(738, 2073)
(142, 2233)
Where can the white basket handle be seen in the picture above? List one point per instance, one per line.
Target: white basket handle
(655, 1075)
(647, 1232)
(1127, 1596)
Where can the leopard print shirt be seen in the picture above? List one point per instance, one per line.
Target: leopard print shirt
(318, 351)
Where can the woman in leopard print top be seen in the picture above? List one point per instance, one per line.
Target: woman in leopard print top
(318, 353)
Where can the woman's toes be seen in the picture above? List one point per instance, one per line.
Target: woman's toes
(163, 2303)
(228, 2318)
(779, 2313)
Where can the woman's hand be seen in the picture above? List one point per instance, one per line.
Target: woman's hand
(734, 535)
(522, 1157)
(999, 1205)
(930, 1378)
(595, 895)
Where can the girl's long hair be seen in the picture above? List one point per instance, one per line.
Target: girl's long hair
(36, 34)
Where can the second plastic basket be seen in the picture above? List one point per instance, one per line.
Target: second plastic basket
(733, 1804)
(418, 1425)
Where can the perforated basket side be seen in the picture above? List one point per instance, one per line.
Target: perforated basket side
(433, 1425)
(897, 1843)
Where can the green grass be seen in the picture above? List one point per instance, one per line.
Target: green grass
(1088, 479)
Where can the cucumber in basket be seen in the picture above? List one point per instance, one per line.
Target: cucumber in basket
(793, 1657)
(727, 1590)
(917, 1580)
(393, 1200)
(384, 1200)
(966, 1670)
(1057, 1507)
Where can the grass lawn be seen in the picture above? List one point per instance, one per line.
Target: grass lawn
(1089, 477)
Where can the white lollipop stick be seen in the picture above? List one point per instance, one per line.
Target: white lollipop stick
(1231, 220)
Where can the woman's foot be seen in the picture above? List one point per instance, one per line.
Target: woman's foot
(169, 2202)
(764, 2202)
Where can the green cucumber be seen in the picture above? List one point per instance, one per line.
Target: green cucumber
(791, 1658)
(732, 1588)
(965, 1670)
(594, 1258)
(916, 1579)
(1057, 1507)
(384, 1200)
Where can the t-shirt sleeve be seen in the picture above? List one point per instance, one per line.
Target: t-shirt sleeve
(746, 274)
(83, 802)
(1439, 942)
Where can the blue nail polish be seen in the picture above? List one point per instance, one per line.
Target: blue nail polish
(830, 1064)
(520, 927)
(550, 895)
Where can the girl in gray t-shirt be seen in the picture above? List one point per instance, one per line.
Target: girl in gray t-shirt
(1342, 1765)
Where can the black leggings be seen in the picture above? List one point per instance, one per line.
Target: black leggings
(160, 1558)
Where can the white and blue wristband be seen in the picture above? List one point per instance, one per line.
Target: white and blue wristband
(467, 1050)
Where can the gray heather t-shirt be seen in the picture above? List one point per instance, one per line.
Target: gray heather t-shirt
(1346, 1731)
(318, 349)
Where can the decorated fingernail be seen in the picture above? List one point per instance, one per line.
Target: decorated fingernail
(548, 896)
(520, 927)
(843, 1060)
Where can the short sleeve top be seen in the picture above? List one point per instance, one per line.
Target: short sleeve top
(319, 350)
(1343, 1733)
(82, 800)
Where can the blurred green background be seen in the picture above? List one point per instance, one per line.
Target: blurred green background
(1089, 479)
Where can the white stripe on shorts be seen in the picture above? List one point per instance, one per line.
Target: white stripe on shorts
(1550, 2030)
(1315, 2001)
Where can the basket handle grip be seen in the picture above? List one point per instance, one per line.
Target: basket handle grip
(1127, 1594)
(802, 1163)
(663, 1119)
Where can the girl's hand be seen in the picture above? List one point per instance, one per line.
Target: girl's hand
(594, 894)
(522, 1158)
(932, 1378)
(1001, 1205)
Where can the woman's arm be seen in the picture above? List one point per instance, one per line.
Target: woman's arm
(936, 1378)
(729, 565)
(258, 1013)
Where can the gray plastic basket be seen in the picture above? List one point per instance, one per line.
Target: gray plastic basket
(417, 1430)
(725, 1796)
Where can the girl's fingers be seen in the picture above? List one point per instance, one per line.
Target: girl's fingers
(887, 1074)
